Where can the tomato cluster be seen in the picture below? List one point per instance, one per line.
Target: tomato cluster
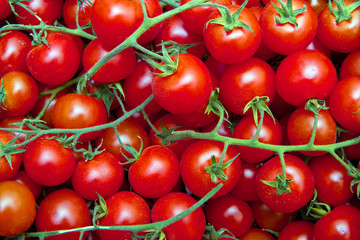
(223, 119)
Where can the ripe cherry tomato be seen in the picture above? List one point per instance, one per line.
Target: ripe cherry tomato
(349, 66)
(191, 227)
(84, 13)
(257, 234)
(60, 210)
(23, 178)
(5, 10)
(18, 208)
(7, 172)
(297, 230)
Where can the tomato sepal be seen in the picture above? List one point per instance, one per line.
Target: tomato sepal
(216, 168)
(343, 13)
(286, 12)
(281, 184)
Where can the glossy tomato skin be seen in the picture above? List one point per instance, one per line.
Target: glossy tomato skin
(236, 45)
(117, 68)
(21, 93)
(191, 227)
(124, 208)
(344, 103)
(257, 234)
(15, 200)
(303, 75)
(60, 210)
(287, 38)
(246, 186)
(197, 157)
(271, 132)
(14, 47)
(47, 162)
(23, 178)
(84, 14)
(340, 37)
(241, 82)
(77, 110)
(101, 175)
(301, 124)
(297, 230)
(302, 187)
(8, 122)
(187, 89)
(229, 212)
(332, 182)
(56, 63)
(7, 172)
(349, 66)
(155, 173)
(352, 152)
(341, 223)
(5, 9)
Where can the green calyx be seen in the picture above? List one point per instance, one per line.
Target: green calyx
(286, 12)
(216, 169)
(231, 21)
(343, 13)
(281, 184)
(259, 105)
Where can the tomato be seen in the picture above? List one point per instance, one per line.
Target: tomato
(56, 62)
(352, 152)
(47, 10)
(84, 14)
(297, 230)
(114, 70)
(241, 82)
(195, 160)
(14, 47)
(5, 10)
(349, 66)
(155, 172)
(21, 93)
(301, 124)
(9, 122)
(341, 223)
(124, 208)
(174, 29)
(317, 5)
(236, 44)
(6, 171)
(60, 210)
(341, 36)
(318, 46)
(332, 182)
(267, 218)
(23, 178)
(344, 103)
(257, 234)
(47, 162)
(215, 67)
(130, 133)
(224, 129)
(271, 132)
(187, 89)
(191, 227)
(101, 175)
(75, 110)
(303, 75)
(302, 187)
(288, 38)
(231, 213)
(15, 200)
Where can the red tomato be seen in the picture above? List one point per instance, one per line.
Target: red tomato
(236, 44)
(288, 38)
(7, 172)
(231, 213)
(271, 133)
(14, 47)
(124, 208)
(155, 173)
(23, 178)
(257, 234)
(341, 223)
(55, 63)
(187, 89)
(8, 122)
(74, 111)
(349, 66)
(341, 36)
(114, 70)
(197, 157)
(101, 175)
(21, 93)
(191, 227)
(302, 187)
(241, 82)
(303, 75)
(352, 152)
(298, 230)
(344, 103)
(5, 10)
(84, 13)
(301, 124)
(60, 210)
(18, 208)
(47, 162)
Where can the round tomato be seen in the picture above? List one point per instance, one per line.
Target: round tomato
(191, 227)
(257, 234)
(302, 185)
(9, 122)
(297, 230)
(84, 13)
(197, 168)
(18, 208)
(349, 66)
(5, 10)
(21, 93)
(60, 210)
(6, 171)
(23, 178)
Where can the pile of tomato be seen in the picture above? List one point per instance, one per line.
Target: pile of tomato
(180, 120)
